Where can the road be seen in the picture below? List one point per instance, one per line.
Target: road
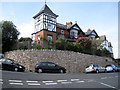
(53, 80)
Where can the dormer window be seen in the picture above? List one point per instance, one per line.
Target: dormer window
(62, 31)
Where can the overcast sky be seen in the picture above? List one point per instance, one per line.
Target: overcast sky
(101, 16)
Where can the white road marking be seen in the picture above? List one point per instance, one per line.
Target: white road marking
(90, 80)
(65, 82)
(107, 85)
(36, 84)
(47, 81)
(80, 81)
(1, 80)
(32, 81)
(75, 79)
(16, 83)
(103, 77)
(50, 83)
(61, 80)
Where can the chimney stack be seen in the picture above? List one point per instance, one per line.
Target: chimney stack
(68, 23)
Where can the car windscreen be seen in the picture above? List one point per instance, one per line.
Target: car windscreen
(87, 66)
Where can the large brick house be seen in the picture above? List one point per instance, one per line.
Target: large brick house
(47, 27)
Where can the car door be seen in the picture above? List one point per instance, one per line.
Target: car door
(44, 67)
(9, 64)
(52, 67)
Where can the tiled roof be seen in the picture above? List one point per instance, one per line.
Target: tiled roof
(45, 9)
(61, 26)
(89, 32)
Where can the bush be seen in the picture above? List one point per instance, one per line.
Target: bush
(23, 47)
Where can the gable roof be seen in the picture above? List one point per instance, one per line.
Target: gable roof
(90, 32)
(72, 27)
(62, 26)
(45, 9)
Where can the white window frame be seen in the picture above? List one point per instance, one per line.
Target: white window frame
(76, 36)
(62, 31)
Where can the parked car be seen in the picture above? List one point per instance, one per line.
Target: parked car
(49, 67)
(11, 65)
(95, 68)
(118, 68)
(1, 55)
(113, 66)
(109, 68)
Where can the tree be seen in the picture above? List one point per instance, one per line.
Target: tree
(9, 35)
(96, 47)
(86, 44)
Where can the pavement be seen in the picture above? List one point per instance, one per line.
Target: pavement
(56, 80)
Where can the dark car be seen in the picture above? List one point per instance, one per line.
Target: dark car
(118, 68)
(11, 65)
(49, 67)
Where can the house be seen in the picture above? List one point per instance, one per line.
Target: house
(91, 34)
(46, 27)
(106, 44)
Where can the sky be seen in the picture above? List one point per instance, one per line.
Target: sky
(101, 16)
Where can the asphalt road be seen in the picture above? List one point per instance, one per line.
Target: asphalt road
(53, 80)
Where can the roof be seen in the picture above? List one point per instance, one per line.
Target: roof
(62, 26)
(103, 37)
(45, 9)
(90, 32)
(109, 44)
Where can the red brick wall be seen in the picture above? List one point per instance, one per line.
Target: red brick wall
(65, 31)
(44, 34)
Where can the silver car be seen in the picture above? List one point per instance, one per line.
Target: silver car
(95, 68)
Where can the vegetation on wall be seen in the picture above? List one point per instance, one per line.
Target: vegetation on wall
(83, 45)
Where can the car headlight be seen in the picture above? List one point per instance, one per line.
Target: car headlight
(20, 67)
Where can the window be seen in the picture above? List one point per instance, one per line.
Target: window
(71, 34)
(51, 65)
(75, 35)
(62, 31)
(49, 26)
(50, 39)
(38, 39)
(9, 61)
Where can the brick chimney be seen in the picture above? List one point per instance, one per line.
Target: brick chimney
(68, 23)
(88, 30)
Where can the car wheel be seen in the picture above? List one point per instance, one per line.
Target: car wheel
(61, 71)
(113, 70)
(97, 71)
(40, 71)
(105, 71)
(16, 69)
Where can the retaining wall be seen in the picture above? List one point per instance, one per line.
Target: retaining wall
(74, 62)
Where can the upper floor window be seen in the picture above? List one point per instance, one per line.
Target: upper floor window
(71, 34)
(75, 35)
(62, 31)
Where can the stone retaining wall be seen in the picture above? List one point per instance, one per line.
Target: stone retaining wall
(74, 62)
